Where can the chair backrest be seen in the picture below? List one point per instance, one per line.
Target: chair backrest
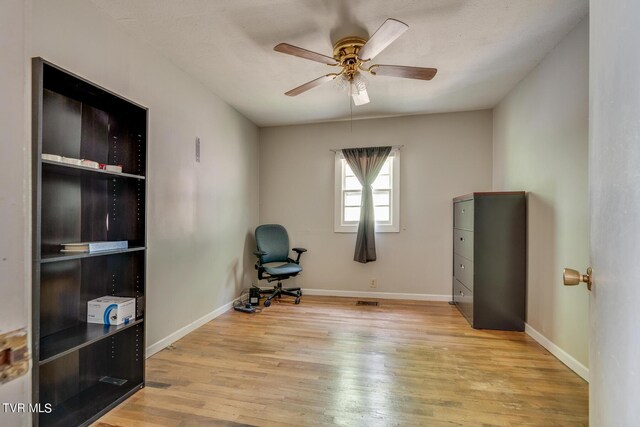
(274, 240)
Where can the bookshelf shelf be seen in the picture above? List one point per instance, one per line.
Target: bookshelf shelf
(65, 256)
(72, 339)
(79, 170)
(85, 369)
(99, 398)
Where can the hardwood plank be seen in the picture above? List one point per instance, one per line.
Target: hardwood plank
(329, 361)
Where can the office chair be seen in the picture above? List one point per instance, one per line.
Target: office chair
(273, 247)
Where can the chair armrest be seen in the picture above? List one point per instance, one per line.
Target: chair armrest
(259, 255)
(299, 251)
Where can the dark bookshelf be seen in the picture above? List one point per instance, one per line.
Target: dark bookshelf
(85, 369)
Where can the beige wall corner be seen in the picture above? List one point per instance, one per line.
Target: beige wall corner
(540, 145)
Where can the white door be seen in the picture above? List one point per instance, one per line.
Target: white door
(614, 174)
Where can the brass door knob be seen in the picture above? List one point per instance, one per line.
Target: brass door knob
(572, 277)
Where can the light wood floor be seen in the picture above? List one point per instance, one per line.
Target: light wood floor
(330, 362)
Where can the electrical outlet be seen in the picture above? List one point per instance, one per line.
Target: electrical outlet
(373, 283)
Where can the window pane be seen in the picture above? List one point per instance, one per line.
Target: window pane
(382, 213)
(386, 167)
(381, 198)
(352, 198)
(352, 214)
(351, 183)
(347, 169)
(382, 181)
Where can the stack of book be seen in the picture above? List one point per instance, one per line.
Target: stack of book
(94, 246)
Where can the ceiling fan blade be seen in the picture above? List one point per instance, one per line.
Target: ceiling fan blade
(390, 30)
(402, 71)
(360, 98)
(304, 53)
(310, 85)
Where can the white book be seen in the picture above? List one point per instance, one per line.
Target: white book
(52, 157)
(71, 161)
(94, 246)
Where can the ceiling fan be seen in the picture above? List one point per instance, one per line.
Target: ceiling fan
(352, 53)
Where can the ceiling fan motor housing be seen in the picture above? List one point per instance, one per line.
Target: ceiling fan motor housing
(345, 51)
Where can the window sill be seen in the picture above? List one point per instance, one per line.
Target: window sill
(354, 229)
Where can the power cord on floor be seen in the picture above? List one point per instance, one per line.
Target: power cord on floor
(244, 305)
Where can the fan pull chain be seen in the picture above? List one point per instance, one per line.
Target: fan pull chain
(350, 107)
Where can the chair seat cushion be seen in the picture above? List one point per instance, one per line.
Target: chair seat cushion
(283, 269)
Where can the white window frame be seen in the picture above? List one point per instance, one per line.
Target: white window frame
(393, 225)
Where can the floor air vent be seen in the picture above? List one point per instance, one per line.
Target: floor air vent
(154, 384)
(374, 303)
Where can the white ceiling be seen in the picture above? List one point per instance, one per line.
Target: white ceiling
(481, 48)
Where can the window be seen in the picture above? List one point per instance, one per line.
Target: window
(386, 196)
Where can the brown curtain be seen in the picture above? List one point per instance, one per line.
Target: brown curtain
(366, 164)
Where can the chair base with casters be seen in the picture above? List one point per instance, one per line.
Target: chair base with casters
(278, 291)
(273, 247)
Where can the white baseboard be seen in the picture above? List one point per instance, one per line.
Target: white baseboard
(170, 339)
(380, 295)
(559, 353)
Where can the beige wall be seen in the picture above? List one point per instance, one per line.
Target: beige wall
(444, 155)
(541, 145)
(199, 214)
(15, 247)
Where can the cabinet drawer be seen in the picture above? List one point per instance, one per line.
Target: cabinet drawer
(463, 243)
(463, 270)
(463, 215)
(463, 298)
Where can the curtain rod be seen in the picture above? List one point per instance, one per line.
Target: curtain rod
(393, 147)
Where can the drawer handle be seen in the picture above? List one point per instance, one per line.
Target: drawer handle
(462, 266)
(462, 211)
(461, 293)
(462, 239)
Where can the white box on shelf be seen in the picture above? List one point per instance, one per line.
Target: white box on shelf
(111, 310)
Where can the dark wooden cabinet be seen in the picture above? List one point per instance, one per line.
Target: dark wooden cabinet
(489, 259)
(81, 369)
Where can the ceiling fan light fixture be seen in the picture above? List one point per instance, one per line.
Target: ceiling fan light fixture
(360, 98)
(358, 90)
(359, 83)
(342, 83)
(355, 87)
